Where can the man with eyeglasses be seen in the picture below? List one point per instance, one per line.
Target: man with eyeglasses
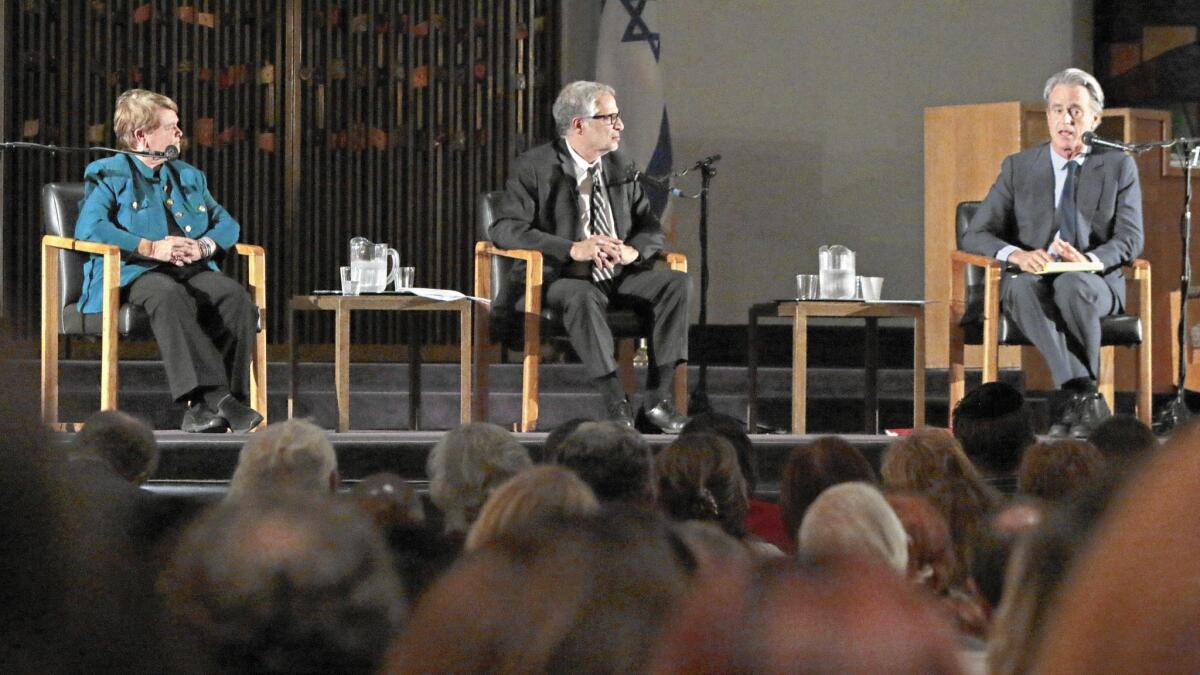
(1064, 201)
(573, 199)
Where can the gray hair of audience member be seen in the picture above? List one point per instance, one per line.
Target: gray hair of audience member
(123, 441)
(853, 519)
(285, 584)
(534, 493)
(290, 456)
(391, 500)
(1075, 77)
(577, 99)
(615, 461)
(466, 465)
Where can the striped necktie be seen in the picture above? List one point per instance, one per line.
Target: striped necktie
(598, 220)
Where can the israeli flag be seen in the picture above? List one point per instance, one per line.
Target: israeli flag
(627, 55)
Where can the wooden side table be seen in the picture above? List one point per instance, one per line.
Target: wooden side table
(342, 306)
(800, 311)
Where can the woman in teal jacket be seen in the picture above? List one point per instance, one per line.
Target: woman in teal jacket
(171, 231)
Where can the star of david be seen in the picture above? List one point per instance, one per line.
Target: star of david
(637, 30)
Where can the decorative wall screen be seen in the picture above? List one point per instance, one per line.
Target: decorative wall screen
(315, 121)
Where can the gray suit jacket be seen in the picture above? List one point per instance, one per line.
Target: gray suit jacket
(1019, 209)
(540, 208)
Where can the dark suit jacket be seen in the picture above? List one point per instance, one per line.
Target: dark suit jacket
(1019, 209)
(540, 208)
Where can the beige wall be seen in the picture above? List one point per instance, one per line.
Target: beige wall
(817, 107)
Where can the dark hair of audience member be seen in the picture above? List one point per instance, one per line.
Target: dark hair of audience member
(563, 595)
(1054, 470)
(287, 584)
(1124, 440)
(538, 492)
(699, 479)
(924, 457)
(1132, 604)
(993, 425)
(933, 565)
(1036, 573)
(556, 436)
(122, 440)
(390, 500)
(733, 430)
(810, 469)
(843, 616)
(614, 461)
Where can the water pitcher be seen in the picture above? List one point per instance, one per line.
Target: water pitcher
(837, 272)
(371, 261)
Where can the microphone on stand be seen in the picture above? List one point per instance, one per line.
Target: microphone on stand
(171, 151)
(1090, 138)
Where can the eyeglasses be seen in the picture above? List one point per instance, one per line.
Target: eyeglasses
(1074, 111)
(610, 119)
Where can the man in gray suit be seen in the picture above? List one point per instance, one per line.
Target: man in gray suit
(1067, 202)
(575, 201)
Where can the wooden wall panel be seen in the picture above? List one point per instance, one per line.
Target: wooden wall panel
(316, 121)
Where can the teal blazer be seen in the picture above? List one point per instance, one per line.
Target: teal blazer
(124, 201)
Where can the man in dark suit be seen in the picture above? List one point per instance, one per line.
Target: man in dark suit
(573, 200)
(1063, 201)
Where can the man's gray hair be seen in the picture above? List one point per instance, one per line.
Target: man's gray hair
(1076, 77)
(466, 465)
(291, 456)
(854, 519)
(577, 99)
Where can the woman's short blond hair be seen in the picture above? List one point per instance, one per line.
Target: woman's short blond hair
(137, 110)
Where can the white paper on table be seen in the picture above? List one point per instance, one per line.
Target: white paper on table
(441, 294)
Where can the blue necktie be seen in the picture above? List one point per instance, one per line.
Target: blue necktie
(1066, 214)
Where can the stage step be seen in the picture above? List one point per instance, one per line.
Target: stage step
(379, 398)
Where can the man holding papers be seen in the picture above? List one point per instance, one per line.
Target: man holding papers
(1063, 202)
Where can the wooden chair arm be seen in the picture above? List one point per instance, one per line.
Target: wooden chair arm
(960, 258)
(249, 250)
(676, 261)
(69, 244)
(525, 254)
(256, 273)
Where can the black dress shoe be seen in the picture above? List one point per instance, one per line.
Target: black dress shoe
(200, 420)
(1090, 411)
(241, 417)
(620, 413)
(665, 418)
(1067, 418)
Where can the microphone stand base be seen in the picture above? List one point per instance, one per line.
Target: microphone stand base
(1175, 415)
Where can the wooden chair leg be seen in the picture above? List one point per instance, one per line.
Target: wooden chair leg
(957, 371)
(681, 388)
(1145, 385)
(1106, 375)
(258, 376)
(50, 321)
(529, 374)
(626, 348)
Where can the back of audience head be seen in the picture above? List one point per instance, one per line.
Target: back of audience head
(733, 430)
(556, 436)
(285, 584)
(1055, 470)
(853, 519)
(993, 425)
(841, 616)
(924, 457)
(534, 493)
(290, 456)
(1037, 571)
(991, 546)
(931, 559)
(614, 461)
(811, 468)
(466, 465)
(581, 594)
(390, 500)
(1131, 604)
(122, 441)
(1124, 440)
(699, 479)
(965, 504)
